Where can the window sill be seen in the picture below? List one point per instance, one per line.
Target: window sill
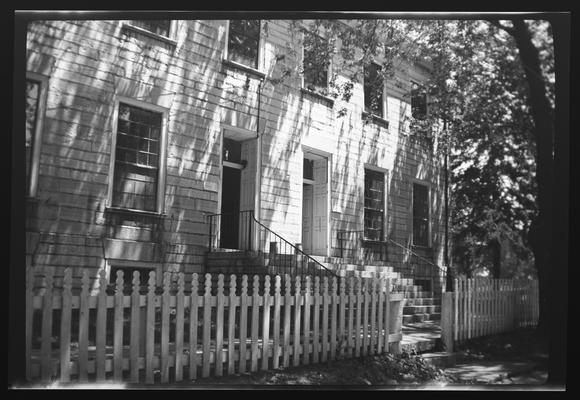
(252, 71)
(376, 119)
(319, 96)
(150, 34)
(130, 211)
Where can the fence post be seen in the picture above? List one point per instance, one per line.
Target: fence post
(447, 313)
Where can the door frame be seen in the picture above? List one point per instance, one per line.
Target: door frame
(325, 154)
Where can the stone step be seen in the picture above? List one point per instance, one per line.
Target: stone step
(419, 294)
(425, 309)
(421, 317)
(425, 301)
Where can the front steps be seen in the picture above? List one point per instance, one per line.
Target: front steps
(420, 307)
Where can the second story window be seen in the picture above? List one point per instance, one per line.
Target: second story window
(244, 42)
(373, 90)
(315, 64)
(137, 158)
(158, 27)
(418, 101)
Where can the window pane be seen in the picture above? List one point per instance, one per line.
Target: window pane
(232, 151)
(373, 89)
(418, 101)
(374, 204)
(243, 42)
(137, 158)
(420, 215)
(315, 64)
(308, 169)
(160, 27)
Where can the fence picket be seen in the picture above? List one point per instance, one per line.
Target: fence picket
(276, 325)
(287, 305)
(333, 313)
(255, 324)
(387, 316)
(373, 316)
(165, 328)
(243, 323)
(325, 301)
(341, 315)
(297, 306)
(179, 325)
(46, 335)
(219, 330)
(315, 321)
(349, 332)
(150, 328)
(232, 325)
(206, 336)
(101, 334)
(118, 329)
(135, 325)
(65, 324)
(84, 327)
(365, 326)
(306, 323)
(357, 319)
(266, 324)
(193, 325)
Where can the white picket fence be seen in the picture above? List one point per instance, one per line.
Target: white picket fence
(139, 334)
(481, 307)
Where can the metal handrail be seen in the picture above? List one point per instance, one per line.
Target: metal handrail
(298, 256)
(296, 249)
(415, 254)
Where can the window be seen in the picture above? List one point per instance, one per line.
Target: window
(158, 27)
(137, 157)
(35, 99)
(315, 65)
(374, 205)
(232, 151)
(418, 101)
(244, 42)
(420, 215)
(373, 90)
(308, 169)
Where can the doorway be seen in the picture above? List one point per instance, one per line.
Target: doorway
(315, 206)
(229, 226)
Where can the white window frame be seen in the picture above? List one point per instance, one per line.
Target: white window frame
(385, 173)
(172, 31)
(261, 45)
(430, 210)
(328, 72)
(32, 188)
(384, 102)
(160, 206)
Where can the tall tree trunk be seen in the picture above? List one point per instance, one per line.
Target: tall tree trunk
(544, 135)
(552, 271)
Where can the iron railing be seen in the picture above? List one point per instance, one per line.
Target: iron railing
(242, 231)
(352, 244)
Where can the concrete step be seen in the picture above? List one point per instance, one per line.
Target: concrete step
(419, 295)
(421, 317)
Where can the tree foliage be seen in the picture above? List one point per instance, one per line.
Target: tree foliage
(478, 88)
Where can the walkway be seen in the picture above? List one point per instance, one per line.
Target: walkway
(419, 337)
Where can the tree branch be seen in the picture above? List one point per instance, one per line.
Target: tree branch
(497, 24)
